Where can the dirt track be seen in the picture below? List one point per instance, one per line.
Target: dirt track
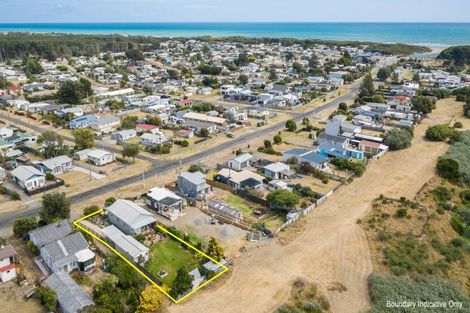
(333, 248)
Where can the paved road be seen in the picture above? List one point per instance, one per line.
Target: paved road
(98, 144)
(167, 166)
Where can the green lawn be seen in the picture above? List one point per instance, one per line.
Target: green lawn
(239, 203)
(169, 255)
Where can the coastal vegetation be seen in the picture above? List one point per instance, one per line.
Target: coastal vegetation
(455, 164)
(458, 55)
(52, 46)
(392, 289)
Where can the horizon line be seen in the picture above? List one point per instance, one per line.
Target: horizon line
(241, 22)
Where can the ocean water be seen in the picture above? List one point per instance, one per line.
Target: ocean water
(431, 34)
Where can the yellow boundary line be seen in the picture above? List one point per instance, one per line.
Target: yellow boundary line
(225, 268)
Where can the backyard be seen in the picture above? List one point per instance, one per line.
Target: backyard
(169, 255)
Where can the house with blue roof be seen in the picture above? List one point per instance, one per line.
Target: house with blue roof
(336, 151)
(83, 121)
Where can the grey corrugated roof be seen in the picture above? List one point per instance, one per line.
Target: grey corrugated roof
(69, 295)
(196, 178)
(63, 251)
(130, 213)
(57, 161)
(49, 233)
(224, 208)
(25, 172)
(124, 242)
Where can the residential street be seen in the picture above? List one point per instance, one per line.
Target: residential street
(162, 167)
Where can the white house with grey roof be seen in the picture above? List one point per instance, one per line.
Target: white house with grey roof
(68, 254)
(240, 162)
(28, 177)
(277, 170)
(165, 202)
(124, 135)
(56, 166)
(193, 185)
(129, 217)
(100, 157)
(105, 124)
(126, 244)
(70, 297)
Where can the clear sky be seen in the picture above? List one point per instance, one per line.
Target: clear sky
(63, 11)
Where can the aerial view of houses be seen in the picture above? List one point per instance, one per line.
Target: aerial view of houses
(192, 173)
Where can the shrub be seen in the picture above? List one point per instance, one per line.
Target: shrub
(357, 168)
(282, 200)
(277, 139)
(398, 138)
(401, 213)
(465, 196)
(291, 125)
(448, 169)
(441, 193)
(439, 132)
(460, 153)
(23, 225)
(49, 176)
(90, 210)
(458, 125)
(15, 196)
(109, 201)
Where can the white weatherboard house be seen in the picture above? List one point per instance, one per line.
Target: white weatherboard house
(61, 249)
(68, 254)
(7, 263)
(105, 124)
(240, 162)
(70, 297)
(151, 140)
(100, 157)
(129, 217)
(56, 166)
(28, 177)
(126, 244)
(124, 135)
(276, 170)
